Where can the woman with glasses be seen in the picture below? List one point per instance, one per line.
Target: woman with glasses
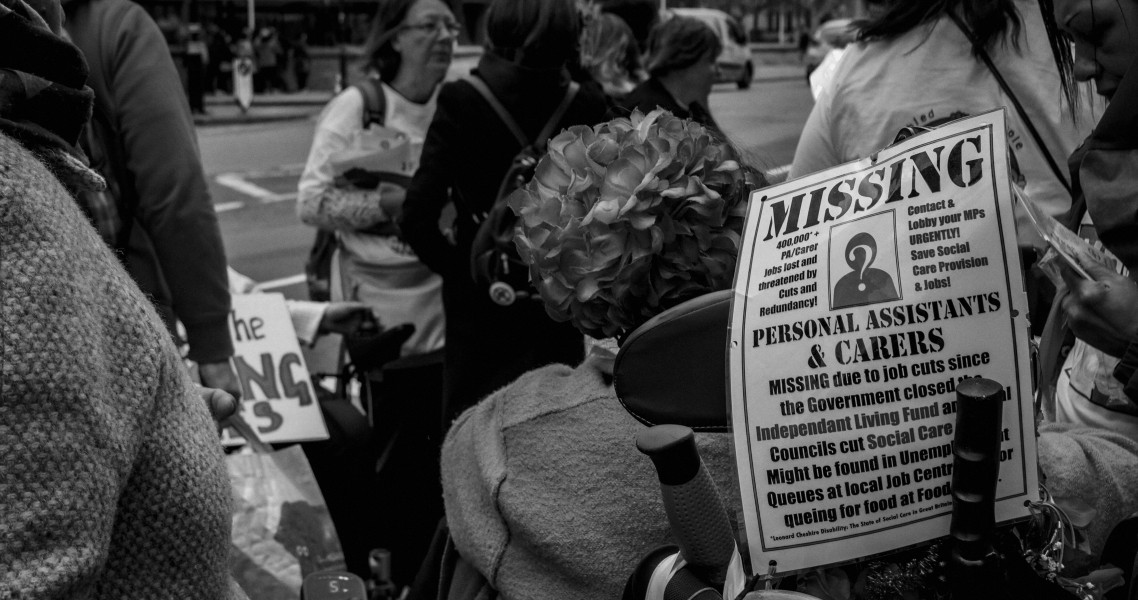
(408, 53)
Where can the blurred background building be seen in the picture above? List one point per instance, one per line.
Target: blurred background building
(310, 33)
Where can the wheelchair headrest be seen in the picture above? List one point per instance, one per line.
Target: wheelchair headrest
(673, 368)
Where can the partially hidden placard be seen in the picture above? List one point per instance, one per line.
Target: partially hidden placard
(864, 294)
(277, 395)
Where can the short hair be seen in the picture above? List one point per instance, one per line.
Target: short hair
(612, 239)
(606, 42)
(533, 33)
(379, 53)
(678, 43)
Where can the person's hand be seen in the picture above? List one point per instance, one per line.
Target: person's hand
(220, 375)
(220, 403)
(1103, 312)
(358, 178)
(391, 199)
(347, 317)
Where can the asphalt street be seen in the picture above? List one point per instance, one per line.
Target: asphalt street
(253, 171)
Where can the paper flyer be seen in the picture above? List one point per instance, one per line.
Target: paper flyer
(864, 294)
(377, 150)
(277, 398)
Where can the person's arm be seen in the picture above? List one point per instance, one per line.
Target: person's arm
(156, 130)
(311, 319)
(473, 468)
(118, 490)
(816, 149)
(1102, 312)
(319, 201)
(430, 188)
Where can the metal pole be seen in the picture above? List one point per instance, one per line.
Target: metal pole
(342, 35)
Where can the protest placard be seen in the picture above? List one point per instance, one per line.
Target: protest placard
(277, 395)
(864, 294)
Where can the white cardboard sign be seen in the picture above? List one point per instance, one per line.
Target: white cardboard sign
(277, 396)
(864, 294)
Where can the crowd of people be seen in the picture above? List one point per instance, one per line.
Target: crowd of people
(513, 448)
(207, 53)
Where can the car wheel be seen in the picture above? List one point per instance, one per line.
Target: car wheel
(748, 75)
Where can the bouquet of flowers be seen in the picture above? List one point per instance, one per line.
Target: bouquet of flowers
(627, 218)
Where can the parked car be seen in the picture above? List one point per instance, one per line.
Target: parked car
(829, 36)
(734, 61)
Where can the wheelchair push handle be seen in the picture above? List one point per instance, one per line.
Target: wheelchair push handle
(975, 568)
(976, 467)
(695, 509)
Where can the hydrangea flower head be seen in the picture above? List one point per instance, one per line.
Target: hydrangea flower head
(630, 217)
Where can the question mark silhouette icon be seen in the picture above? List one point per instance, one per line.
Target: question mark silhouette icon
(860, 253)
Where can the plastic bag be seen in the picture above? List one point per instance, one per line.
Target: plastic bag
(282, 530)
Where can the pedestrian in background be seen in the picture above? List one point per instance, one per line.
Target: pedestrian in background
(408, 53)
(467, 152)
(681, 70)
(144, 143)
(220, 51)
(267, 53)
(302, 61)
(609, 55)
(196, 61)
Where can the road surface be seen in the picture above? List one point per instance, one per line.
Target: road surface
(253, 171)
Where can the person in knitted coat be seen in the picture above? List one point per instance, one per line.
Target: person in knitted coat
(546, 495)
(113, 483)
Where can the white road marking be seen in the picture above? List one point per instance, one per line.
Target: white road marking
(228, 206)
(279, 283)
(240, 182)
(237, 181)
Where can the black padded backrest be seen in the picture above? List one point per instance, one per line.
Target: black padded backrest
(673, 369)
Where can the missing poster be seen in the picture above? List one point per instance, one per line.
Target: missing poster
(864, 294)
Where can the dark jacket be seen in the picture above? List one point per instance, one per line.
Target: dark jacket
(143, 118)
(1105, 175)
(468, 149)
(652, 94)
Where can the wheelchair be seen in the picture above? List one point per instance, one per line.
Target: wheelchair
(378, 470)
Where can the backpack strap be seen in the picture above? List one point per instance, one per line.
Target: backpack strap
(375, 103)
(547, 131)
(983, 54)
(512, 125)
(503, 114)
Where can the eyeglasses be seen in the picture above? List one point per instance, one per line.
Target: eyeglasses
(436, 27)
